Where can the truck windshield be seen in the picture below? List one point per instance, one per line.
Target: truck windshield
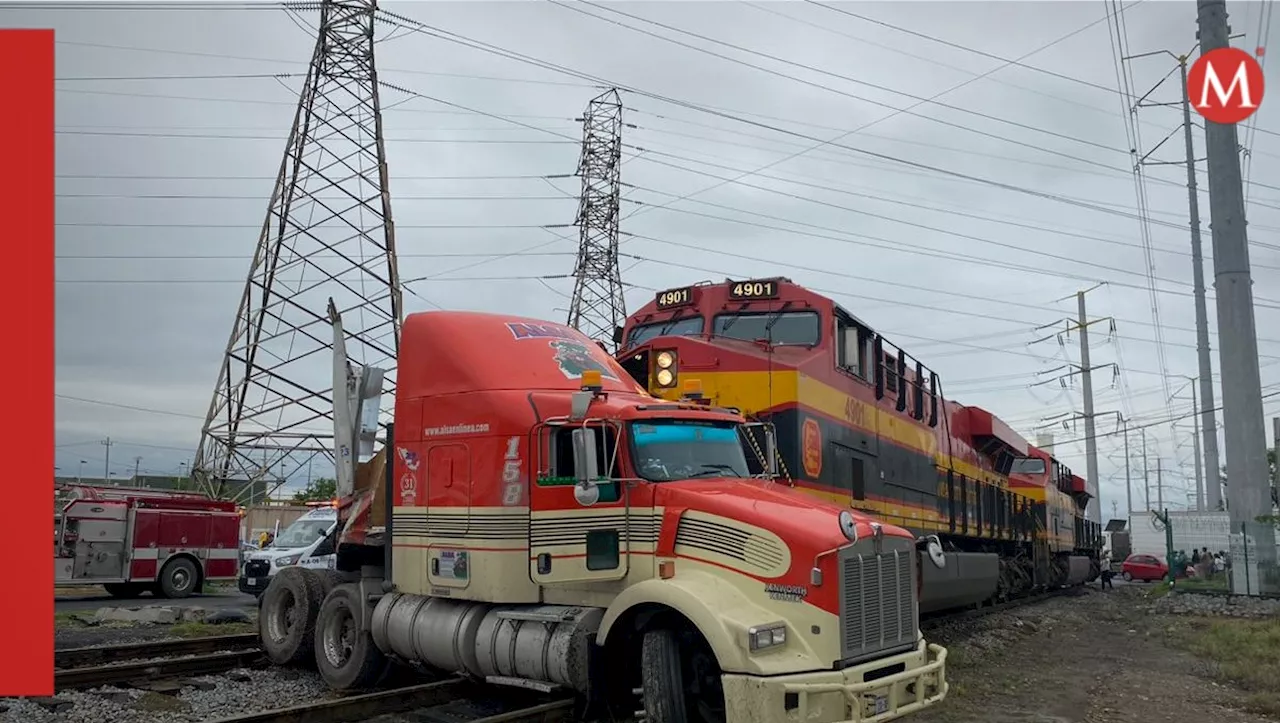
(686, 449)
(302, 532)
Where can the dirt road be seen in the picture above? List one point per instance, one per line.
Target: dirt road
(1098, 657)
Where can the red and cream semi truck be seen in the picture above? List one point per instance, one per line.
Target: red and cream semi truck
(130, 541)
(548, 524)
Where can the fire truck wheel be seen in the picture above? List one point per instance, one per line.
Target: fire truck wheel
(179, 578)
(346, 655)
(287, 615)
(125, 589)
(680, 679)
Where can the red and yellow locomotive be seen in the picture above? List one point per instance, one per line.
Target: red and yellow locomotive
(861, 421)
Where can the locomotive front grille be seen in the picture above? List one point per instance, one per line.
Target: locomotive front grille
(879, 613)
(257, 568)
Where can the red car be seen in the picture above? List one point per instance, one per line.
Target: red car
(1144, 567)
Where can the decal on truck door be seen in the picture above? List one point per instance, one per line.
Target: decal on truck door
(512, 490)
(409, 480)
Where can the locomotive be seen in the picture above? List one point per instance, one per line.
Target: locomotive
(860, 421)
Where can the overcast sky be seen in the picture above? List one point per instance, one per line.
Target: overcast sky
(959, 272)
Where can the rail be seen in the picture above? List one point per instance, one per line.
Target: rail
(454, 696)
(83, 657)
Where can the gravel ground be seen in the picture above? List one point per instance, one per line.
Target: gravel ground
(208, 698)
(1098, 657)
(1094, 657)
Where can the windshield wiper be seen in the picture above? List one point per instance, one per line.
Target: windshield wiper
(713, 468)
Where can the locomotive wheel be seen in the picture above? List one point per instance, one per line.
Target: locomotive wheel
(346, 655)
(287, 615)
(178, 579)
(680, 679)
(1128, 576)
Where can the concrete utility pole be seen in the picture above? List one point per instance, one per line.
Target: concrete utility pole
(1159, 484)
(106, 467)
(1208, 420)
(1090, 440)
(1195, 439)
(1245, 431)
(1128, 475)
(1146, 469)
(137, 462)
(1275, 450)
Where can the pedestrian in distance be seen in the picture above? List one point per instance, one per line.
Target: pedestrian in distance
(1106, 571)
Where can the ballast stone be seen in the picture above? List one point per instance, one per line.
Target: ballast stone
(1235, 606)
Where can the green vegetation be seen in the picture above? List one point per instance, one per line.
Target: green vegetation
(1244, 654)
(318, 490)
(205, 630)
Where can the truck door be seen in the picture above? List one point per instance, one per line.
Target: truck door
(577, 534)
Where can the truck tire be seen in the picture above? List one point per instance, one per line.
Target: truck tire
(329, 579)
(679, 679)
(346, 655)
(287, 616)
(125, 589)
(178, 579)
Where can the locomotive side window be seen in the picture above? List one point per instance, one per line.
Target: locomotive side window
(853, 347)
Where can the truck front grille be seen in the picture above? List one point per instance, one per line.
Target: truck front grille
(257, 568)
(879, 613)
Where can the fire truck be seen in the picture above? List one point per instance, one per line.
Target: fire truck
(134, 540)
(536, 519)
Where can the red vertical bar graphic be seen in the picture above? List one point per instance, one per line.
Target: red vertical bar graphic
(26, 205)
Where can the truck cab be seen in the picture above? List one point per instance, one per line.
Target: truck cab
(307, 542)
(545, 523)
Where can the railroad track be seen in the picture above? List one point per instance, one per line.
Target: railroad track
(934, 622)
(154, 662)
(453, 700)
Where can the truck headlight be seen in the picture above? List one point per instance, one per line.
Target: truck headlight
(287, 561)
(762, 637)
(848, 526)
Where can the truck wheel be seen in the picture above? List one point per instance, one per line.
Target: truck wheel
(125, 589)
(346, 656)
(329, 579)
(680, 679)
(287, 615)
(178, 579)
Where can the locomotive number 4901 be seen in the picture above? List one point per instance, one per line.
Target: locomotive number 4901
(742, 290)
(673, 297)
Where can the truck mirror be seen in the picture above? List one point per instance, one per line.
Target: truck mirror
(770, 450)
(579, 405)
(584, 455)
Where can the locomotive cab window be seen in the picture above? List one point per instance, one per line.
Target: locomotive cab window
(682, 326)
(1028, 465)
(800, 328)
(853, 346)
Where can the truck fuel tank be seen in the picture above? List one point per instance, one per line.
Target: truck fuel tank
(526, 645)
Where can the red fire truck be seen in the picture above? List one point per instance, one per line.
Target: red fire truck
(132, 540)
(541, 521)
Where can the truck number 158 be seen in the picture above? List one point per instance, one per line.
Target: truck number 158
(511, 489)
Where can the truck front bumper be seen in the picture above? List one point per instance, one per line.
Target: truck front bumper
(860, 694)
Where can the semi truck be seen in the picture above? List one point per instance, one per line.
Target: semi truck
(536, 519)
(133, 541)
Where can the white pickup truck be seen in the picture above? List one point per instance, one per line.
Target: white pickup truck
(308, 542)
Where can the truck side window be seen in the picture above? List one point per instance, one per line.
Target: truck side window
(561, 460)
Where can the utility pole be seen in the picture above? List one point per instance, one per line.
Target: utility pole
(1195, 440)
(1146, 470)
(1208, 420)
(106, 468)
(137, 462)
(1275, 452)
(1085, 369)
(1090, 442)
(1242, 414)
(1159, 484)
(1128, 473)
(328, 234)
(597, 308)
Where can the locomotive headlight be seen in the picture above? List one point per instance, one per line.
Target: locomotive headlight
(848, 526)
(666, 359)
(665, 377)
(762, 637)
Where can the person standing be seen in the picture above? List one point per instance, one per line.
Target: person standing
(1106, 571)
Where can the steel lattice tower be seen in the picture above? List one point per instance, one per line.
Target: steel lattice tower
(328, 233)
(597, 307)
